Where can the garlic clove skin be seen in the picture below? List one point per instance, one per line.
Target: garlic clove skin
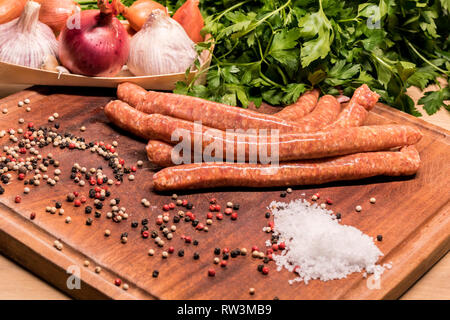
(25, 40)
(161, 47)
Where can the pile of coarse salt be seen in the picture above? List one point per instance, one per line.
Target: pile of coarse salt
(318, 247)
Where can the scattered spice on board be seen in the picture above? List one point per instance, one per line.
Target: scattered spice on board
(317, 246)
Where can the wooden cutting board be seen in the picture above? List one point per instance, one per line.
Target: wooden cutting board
(411, 213)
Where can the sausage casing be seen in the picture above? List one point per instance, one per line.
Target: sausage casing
(349, 167)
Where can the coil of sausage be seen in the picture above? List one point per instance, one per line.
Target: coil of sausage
(350, 167)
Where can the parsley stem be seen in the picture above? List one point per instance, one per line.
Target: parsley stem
(425, 59)
(229, 9)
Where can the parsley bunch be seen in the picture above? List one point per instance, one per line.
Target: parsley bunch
(275, 50)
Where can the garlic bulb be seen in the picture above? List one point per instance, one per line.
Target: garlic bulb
(160, 47)
(26, 41)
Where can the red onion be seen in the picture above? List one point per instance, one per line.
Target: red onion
(98, 46)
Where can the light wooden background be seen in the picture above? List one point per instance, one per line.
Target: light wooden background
(18, 283)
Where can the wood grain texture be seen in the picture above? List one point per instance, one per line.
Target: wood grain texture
(411, 213)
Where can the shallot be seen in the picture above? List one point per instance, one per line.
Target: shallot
(190, 18)
(25, 40)
(10, 10)
(55, 13)
(96, 43)
(161, 47)
(138, 12)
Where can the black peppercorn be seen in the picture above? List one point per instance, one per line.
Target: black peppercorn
(379, 237)
(217, 251)
(225, 256)
(196, 256)
(58, 205)
(134, 224)
(236, 206)
(267, 215)
(195, 243)
(181, 253)
(88, 221)
(260, 267)
(189, 206)
(144, 221)
(338, 216)
(88, 209)
(155, 274)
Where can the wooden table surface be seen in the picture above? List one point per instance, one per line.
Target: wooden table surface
(18, 283)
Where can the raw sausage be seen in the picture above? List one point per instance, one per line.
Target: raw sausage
(350, 167)
(304, 105)
(221, 116)
(161, 154)
(357, 110)
(290, 146)
(134, 95)
(131, 93)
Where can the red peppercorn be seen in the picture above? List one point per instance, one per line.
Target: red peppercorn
(269, 256)
(275, 247)
(21, 176)
(17, 199)
(234, 216)
(118, 183)
(171, 205)
(317, 195)
(223, 263)
(112, 150)
(171, 250)
(98, 195)
(189, 214)
(217, 207)
(212, 208)
(83, 199)
(219, 216)
(133, 168)
(108, 147)
(159, 221)
(145, 234)
(32, 215)
(225, 250)
(121, 161)
(101, 143)
(228, 211)
(265, 270)
(213, 201)
(281, 246)
(118, 282)
(200, 226)
(184, 203)
(97, 189)
(209, 215)
(166, 207)
(23, 150)
(329, 201)
(269, 251)
(187, 239)
(71, 145)
(76, 193)
(255, 248)
(211, 272)
(99, 181)
(77, 203)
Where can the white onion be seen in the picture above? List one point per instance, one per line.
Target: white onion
(161, 47)
(25, 40)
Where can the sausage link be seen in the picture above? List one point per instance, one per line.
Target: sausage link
(131, 93)
(350, 167)
(161, 154)
(304, 105)
(357, 110)
(290, 146)
(217, 115)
